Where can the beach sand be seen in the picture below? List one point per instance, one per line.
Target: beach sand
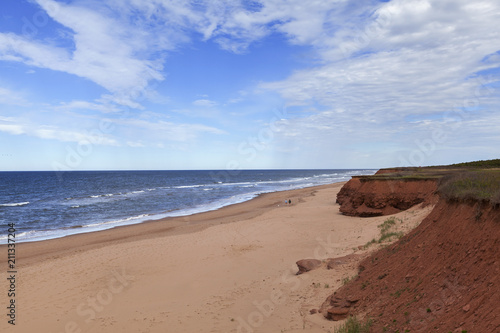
(230, 270)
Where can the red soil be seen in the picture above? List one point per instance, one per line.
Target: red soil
(362, 197)
(444, 276)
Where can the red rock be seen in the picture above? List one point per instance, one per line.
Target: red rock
(359, 197)
(306, 265)
(336, 314)
(331, 263)
(352, 298)
(420, 278)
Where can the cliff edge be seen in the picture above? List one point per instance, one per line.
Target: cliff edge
(369, 196)
(444, 276)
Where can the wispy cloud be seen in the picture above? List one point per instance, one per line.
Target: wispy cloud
(372, 66)
(106, 51)
(120, 45)
(403, 41)
(204, 103)
(426, 57)
(85, 105)
(157, 131)
(18, 126)
(10, 125)
(10, 97)
(151, 129)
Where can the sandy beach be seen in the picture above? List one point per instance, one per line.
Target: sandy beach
(230, 270)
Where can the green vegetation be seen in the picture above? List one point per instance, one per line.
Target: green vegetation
(354, 325)
(384, 227)
(385, 232)
(404, 176)
(399, 292)
(471, 181)
(347, 279)
(477, 185)
(389, 236)
(487, 164)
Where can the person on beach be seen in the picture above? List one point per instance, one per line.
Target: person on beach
(289, 201)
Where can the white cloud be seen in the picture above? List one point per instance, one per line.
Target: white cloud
(120, 45)
(18, 126)
(107, 51)
(204, 103)
(160, 131)
(116, 50)
(12, 129)
(234, 26)
(135, 144)
(422, 59)
(9, 97)
(377, 63)
(85, 105)
(147, 129)
(409, 58)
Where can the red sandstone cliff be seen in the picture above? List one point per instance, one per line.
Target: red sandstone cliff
(444, 276)
(368, 197)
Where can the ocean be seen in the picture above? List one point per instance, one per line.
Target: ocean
(46, 205)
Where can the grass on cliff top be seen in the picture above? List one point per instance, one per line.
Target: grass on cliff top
(410, 174)
(477, 185)
(401, 176)
(476, 181)
(354, 325)
(487, 164)
(440, 169)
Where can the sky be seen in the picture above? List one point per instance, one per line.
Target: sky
(264, 84)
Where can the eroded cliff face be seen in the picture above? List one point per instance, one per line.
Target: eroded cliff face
(367, 197)
(444, 276)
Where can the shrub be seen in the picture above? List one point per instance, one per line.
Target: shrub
(479, 164)
(482, 185)
(354, 325)
(389, 235)
(384, 227)
(346, 280)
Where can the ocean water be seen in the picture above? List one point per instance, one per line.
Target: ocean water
(45, 205)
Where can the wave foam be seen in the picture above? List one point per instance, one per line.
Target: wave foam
(254, 188)
(16, 204)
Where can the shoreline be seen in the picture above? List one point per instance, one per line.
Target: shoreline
(167, 226)
(230, 270)
(52, 212)
(143, 218)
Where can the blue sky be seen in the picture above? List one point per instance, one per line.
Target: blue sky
(152, 84)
